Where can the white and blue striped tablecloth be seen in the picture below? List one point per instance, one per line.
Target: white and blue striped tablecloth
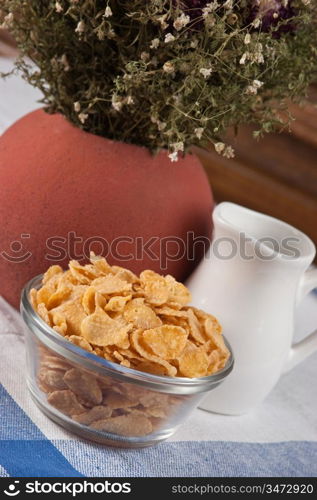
(279, 438)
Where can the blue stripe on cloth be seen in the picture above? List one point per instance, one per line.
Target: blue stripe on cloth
(35, 458)
(24, 450)
(195, 459)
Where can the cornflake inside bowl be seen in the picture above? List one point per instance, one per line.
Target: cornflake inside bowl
(118, 358)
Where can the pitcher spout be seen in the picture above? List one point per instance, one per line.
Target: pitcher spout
(250, 234)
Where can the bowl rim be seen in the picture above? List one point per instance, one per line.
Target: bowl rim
(54, 341)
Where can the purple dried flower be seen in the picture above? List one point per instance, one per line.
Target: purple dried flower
(271, 13)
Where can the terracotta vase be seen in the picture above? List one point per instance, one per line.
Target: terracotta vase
(64, 192)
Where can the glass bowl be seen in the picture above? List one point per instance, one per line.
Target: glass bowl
(100, 400)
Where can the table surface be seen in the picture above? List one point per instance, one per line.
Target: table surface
(279, 438)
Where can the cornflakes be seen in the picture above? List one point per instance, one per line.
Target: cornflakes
(193, 362)
(136, 341)
(74, 313)
(89, 300)
(117, 303)
(92, 415)
(80, 342)
(66, 402)
(101, 330)
(143, 323)
(166, 341)
(125, 425)
(111, 284)
(140, 315)
(52, 379)
(83, 385)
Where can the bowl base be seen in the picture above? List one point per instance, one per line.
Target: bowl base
(100, 437)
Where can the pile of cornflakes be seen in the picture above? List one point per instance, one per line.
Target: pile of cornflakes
(141, 322)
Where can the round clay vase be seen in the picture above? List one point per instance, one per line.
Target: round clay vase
(64, 192)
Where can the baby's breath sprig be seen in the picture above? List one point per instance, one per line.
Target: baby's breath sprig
(166, 73)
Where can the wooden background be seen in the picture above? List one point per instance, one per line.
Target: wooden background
(276, 175)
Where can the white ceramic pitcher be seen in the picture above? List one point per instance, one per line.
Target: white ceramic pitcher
(252, 277)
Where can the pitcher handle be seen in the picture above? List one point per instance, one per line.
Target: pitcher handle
(308, 345)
